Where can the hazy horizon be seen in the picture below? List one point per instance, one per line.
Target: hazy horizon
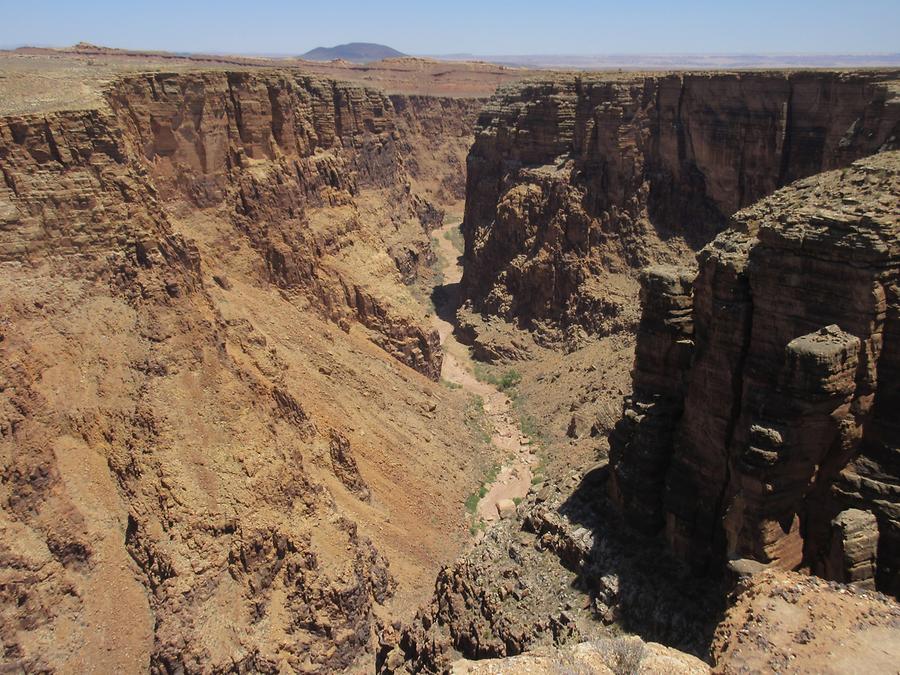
(452, 55)
(574, 28)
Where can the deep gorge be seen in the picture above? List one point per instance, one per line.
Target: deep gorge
(221, 400)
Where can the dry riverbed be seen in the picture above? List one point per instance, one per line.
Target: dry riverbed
(512, 480)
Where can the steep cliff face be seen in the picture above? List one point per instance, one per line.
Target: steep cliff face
(435, 137)
(299, 163)
(71, 187)
(199, 441)
(760, 412)
(575, 184)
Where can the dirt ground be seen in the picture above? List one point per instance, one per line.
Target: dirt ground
(790, 623)
(44, 80)
(511, 479)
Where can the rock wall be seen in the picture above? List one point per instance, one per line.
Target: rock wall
(296, 160)
(89, 253)
(757, 425)
(189, 444)
(435, 136)
(645, 432)
(70, 187)
(574, 184)
(293, 159)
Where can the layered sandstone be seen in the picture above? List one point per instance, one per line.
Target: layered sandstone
(206, 463)
(645, 431)
(574, 184)
(776, 415)
(297, 161)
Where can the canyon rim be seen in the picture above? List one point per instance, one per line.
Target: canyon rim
(417, 365)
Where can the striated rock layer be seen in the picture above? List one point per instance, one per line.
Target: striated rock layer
(763, 420)
(205, 463)
(574, 184)
(298, 160)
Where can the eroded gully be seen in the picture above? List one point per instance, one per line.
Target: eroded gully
(514, 477)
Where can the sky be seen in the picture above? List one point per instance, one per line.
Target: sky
(481, 27)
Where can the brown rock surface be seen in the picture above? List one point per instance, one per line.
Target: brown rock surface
(789, 623)
(568, 572)
(219, 421)
(641, 443)
(576, 183)
(622, 655)
(853, 549)
(298, 163)
(555, 593)
(788, 389)
(206, 463)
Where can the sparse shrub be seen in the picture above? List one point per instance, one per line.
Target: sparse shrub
(504, 382)
(477, 421)
(479, 494)
(455, 237)
(622, 655)
(509, 379)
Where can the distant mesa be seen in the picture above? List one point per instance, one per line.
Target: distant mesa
(94, 49)
(357, 52)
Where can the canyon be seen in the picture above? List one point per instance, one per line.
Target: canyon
(314, 367)
(194, 270)
(575, 182)
(759, 426)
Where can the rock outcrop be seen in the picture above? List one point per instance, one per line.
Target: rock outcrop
(568, 572)
(645, 432)
(558, 590)
(298, 162)
(763, 416)
(194, 420)
(853, 549)
(602, 657)
(792, 623)
(575, 184)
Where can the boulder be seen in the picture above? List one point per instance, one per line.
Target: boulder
(506, 508)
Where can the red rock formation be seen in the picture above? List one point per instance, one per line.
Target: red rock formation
(70, 186)
(785, 399)
(640, 445)
(575, 184)
(82, 209)
(294, 159)
(177, 488)
(853, 548)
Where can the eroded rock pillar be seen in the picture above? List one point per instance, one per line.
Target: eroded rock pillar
(641, 444)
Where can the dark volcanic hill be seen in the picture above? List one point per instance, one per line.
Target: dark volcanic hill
(353, 51)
